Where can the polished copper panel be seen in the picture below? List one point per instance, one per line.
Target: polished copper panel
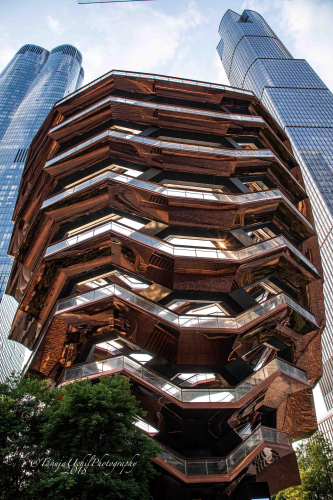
(222, 348)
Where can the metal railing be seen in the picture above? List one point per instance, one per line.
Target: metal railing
(179, 193)
(185, 395)
(215, 466)
(156, 143)
(160, 189)
(185, 321)
(207, 466)
(156, 77)
(179, 250)
(165, 107)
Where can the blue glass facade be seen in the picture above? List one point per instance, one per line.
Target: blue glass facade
(19, 75)
(254, 58)
(29, 86)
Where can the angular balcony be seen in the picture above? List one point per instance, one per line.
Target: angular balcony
(192, 397)
(149, 151)
(257, 198)
(205, 150)
(157, 114)
(183, 251)
(229, 198)
(167, 115)
(121, 81)
(238, 323)
(266, 202)
(226, 469)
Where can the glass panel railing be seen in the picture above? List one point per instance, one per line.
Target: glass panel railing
(258, 153)
(180, 250)
(179, 193)
(173, 145)
(78, 115)
(185, 321)
(291, 370)
(211, 466)
(165, 107)
(155, 77)
(173, 460)
(300, 309)
(185, 395)
(72, 151)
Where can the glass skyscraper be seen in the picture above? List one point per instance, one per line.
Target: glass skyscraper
(29, 86)
(255, 59)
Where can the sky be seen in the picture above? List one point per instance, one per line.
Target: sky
(169, 37)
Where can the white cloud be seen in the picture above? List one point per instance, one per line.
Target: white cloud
(7, 50)
(137, 38)
(6, 54)
(55, 25)
(221, 74)
(309, 23)
(174, 37)
(260, 6)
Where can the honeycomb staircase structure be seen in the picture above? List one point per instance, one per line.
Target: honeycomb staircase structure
(162, 231)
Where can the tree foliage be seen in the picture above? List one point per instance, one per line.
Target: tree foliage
(76, 442)
(315, 461)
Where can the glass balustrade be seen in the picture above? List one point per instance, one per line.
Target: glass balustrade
(185, 321)
(198, 466)
(72, 151)
(155, 77)
(206, 467)
(156, 143)
(143, 425)
(160, 189)
(165, 107)
(288, 369)
(185, 395)
(79, 115)
(176, 146)
(179, 193)
(179, 250)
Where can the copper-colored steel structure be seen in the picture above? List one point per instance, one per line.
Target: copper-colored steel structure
(162, 231)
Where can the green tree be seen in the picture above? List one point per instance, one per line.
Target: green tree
(76, 442)
(315, 461)
(21, 406)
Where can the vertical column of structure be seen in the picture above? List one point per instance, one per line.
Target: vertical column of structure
(161, 233)
(254, 58)
(29, 87)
